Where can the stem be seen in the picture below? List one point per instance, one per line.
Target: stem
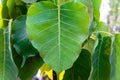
(5, 19)
(54, 75)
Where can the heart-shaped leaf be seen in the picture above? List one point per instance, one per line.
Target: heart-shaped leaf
(58, 31)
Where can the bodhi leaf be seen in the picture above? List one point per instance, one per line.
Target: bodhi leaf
(8, 70)
(20, 39)
(101, 58)
(81, 68)
(57, 31)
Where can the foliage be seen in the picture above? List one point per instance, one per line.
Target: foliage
(65, 35)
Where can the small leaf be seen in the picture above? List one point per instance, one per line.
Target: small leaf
(57, 31)
(101, 58)
(81, 68)
(8, 70)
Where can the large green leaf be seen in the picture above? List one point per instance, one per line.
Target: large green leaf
(8, 70)
(81, 68)
(20, 39)
(101, 58)
(58, 31)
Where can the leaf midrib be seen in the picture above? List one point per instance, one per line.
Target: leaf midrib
(59, 29)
